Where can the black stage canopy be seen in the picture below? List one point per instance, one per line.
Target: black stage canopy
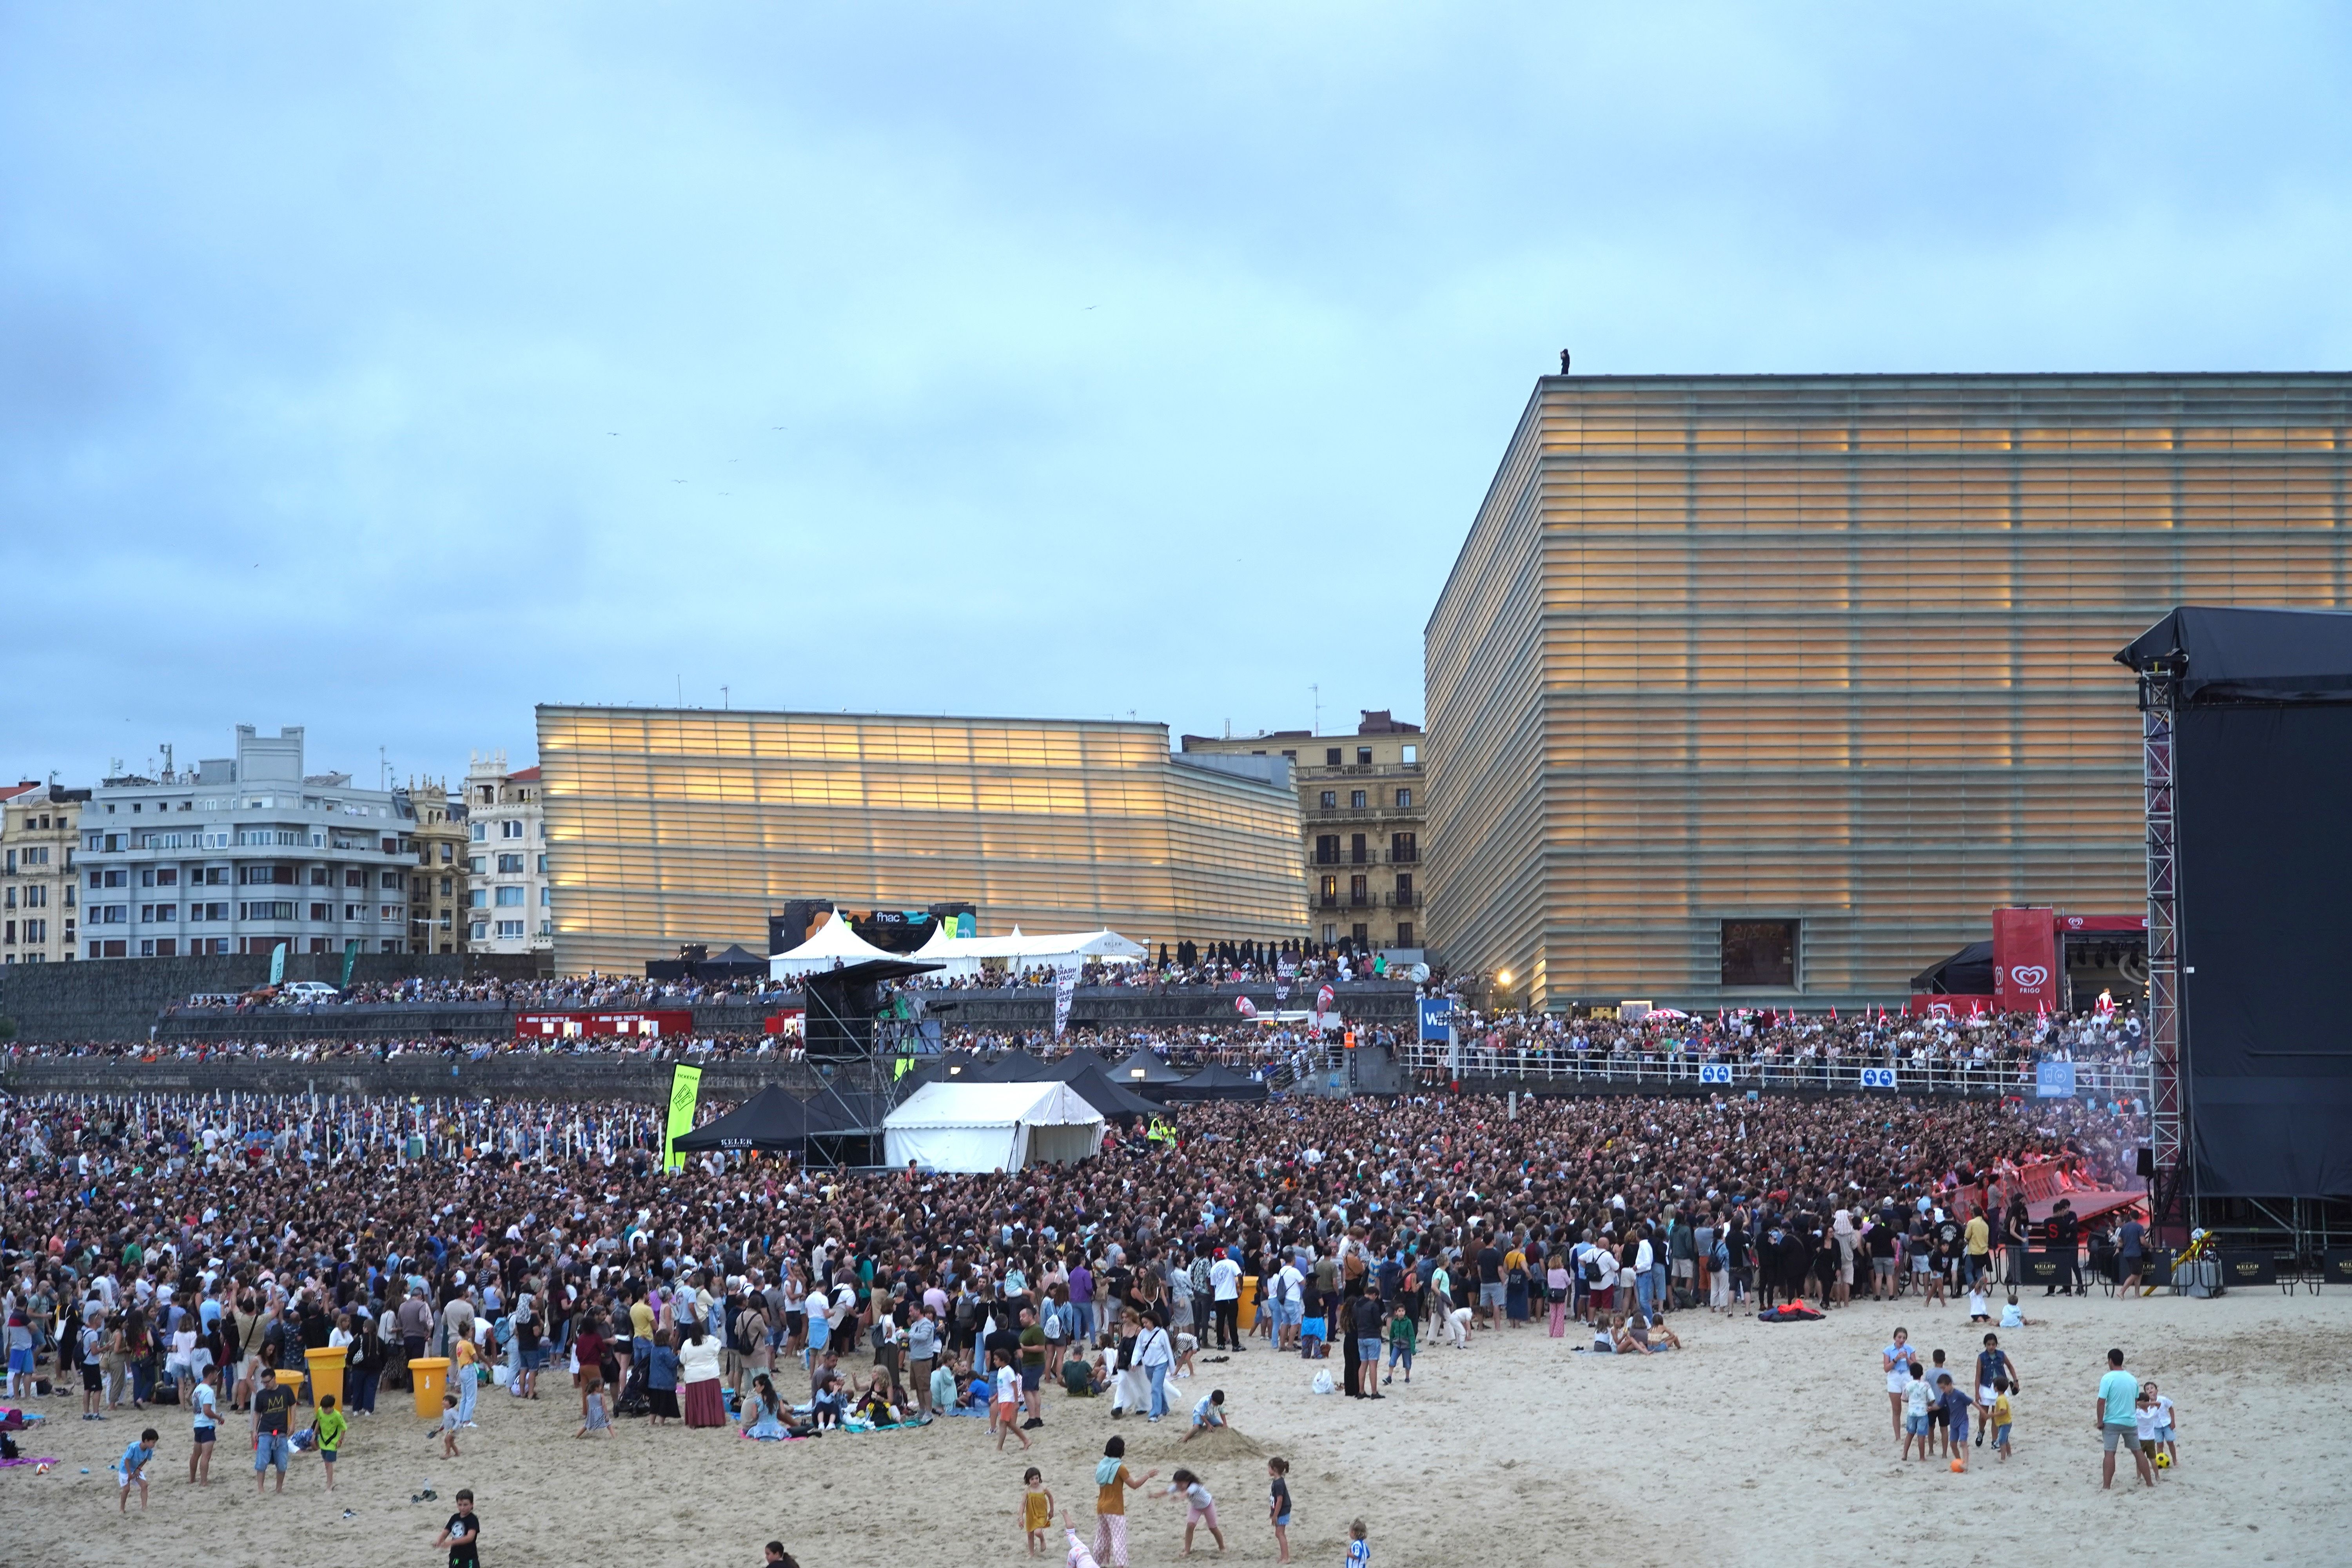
(1217, 1081)
(774, 1119)
(1968, 973)
(2262, 746)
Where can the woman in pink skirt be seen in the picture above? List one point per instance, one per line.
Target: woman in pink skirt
(698, 1376)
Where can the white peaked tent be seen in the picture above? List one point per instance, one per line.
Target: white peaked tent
(1053, 949)
(835, 944)
(982, 1127)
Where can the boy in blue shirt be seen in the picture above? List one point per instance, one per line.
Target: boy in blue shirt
(1955, 1416)
(131, 1470)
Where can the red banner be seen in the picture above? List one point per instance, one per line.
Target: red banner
(543, 1026)
(2071, 924)
(2025, 959)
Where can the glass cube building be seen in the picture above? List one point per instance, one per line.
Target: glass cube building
(666, 827)
(1757, 690)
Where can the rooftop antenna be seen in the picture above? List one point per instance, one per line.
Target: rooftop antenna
(382, 770)
(726, 700)
(1316, 687)
(165, 747)
(681, 693)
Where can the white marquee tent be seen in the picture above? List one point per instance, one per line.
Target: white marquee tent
(962, 954)
(982, 1127)
(834, 945)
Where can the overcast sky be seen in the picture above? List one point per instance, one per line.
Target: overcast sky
(389, 370)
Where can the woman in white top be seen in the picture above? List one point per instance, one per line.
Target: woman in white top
(1896, 1360)
(697, 1377)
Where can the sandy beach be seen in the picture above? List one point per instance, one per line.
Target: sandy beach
(1762, 1444)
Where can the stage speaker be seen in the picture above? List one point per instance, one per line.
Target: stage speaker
(2147, 1165)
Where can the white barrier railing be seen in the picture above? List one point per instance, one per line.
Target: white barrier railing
(1429, 1061)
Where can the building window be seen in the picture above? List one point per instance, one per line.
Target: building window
(1404, 800)
(478, 897)
(1411, 756)
(1760, 952)
(1326, 849)
(510, 829)
(1360, 891)
(1363, 756)
(510, 898)
(1357, 800)
(547, 898)
(1404, 889)
(1404, 933)
(481, 831)
(510, 864)
(1330, 892)
(1330, 932)
(1363, 937)
(1405, 848)
(478, 865)
(1330, 799)
(480, 930)
(322, 911)
(1356, 853)
(542, 864)
(510, 929)
(1331, 757)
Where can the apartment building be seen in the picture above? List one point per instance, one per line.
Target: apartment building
(438, 888)
(39, 906)
(1360, 806)
(508, 905)
(243, 854)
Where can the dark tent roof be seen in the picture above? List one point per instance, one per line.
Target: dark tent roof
(2250, 655)
(775, 1118)
(1217, 1081)
(1968, 973)
(738, 955)
(1145, 1066)
(1082, 1071)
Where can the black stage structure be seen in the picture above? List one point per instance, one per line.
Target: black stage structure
(2246, 725)
(853, 1041)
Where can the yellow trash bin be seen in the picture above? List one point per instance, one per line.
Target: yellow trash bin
(430, 1375)
(326, 1373)
(1247, 1311)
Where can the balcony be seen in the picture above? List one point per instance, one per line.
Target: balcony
(1403, 901)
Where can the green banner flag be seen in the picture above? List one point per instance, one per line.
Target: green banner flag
(277, 964)
(685, 1090)
(351, 957)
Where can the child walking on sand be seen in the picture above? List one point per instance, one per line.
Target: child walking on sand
(594, 1419)
(1199, 1508)
(1278, 1499)
(328, 1426)
(1359, 1550)
(132, 1469)
(1008, 1404)
(448, 1430)
(1036, 1509)
(2001, 1416)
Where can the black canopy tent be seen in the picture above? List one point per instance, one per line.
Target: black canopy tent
(775, 1120)
(1217, 1081)
(1143, 1069)
(1968, 973)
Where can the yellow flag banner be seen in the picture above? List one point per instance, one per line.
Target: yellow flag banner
(685, 1090)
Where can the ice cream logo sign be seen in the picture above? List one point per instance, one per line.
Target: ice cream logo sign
(2029, 976)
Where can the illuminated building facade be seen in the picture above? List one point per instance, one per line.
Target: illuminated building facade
(1747, 690)
(666, 827)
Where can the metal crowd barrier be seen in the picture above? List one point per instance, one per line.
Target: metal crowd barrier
(1429, 1060)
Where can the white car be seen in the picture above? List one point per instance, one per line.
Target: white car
(309, 990)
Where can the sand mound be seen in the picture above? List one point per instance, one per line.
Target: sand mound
(1219, 1444)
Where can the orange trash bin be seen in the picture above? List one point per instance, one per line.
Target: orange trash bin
(326, 1373)
(1247, 1310)
(430, 1376)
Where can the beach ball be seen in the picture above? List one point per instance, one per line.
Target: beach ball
(1959, 1465)
(41, 1469)
(2164, 1461)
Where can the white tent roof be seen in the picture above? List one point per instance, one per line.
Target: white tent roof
(833, 943)
(981, 1127)
(1104, 945)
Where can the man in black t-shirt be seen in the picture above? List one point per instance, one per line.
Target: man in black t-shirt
(1491, 1291)
(273, 1403)
(2063, 1235)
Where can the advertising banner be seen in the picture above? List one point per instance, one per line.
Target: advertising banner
(685, 1090)
(1436, 1018)
(2025, 960)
